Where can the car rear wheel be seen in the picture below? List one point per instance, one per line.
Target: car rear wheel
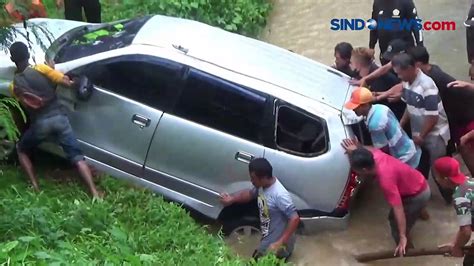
(243, 235)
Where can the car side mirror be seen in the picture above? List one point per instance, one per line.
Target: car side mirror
(83, 88)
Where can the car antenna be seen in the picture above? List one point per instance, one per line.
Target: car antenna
(28, 40)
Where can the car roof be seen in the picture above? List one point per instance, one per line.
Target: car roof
(247, 56)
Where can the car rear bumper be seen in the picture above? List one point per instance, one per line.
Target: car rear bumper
(313, 225)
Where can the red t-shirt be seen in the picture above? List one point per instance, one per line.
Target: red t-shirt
(397, 179)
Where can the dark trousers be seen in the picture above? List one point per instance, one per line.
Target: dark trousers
(92, 10)
(468, 260)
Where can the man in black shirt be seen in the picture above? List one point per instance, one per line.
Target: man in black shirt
(343, 54)
(457, 102)
(382, 12)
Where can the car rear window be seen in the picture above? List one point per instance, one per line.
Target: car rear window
(93, 39)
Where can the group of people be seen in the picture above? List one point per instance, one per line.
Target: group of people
(417, 115)
(73, 10)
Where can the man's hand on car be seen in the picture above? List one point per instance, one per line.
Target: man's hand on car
(350, 145)
(226, 199)
(361, 82)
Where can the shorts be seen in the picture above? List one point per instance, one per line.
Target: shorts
(56, 128)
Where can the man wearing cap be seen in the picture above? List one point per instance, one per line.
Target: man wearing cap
(448, 175)
(405, 189)
(384, 127)
(425, 112)
(385, 12)
(37, 93)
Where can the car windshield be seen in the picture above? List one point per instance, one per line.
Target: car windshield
(92, 39)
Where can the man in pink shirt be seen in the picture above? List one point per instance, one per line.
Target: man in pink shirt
(405, 189)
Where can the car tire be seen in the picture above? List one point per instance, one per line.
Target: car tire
(244, 223)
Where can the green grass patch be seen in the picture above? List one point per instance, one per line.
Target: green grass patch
(247, 17)
(62, 225)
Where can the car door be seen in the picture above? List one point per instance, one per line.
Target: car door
(115, 126)
(204, 145)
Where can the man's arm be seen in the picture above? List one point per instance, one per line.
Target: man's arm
(462, 238)
(413, 14)
(54, 75)
(293, 223)
(430, 123)
(393, 94)
(399, 214)
(373, 37)
(431, 102)
(461, 84)
(468, 137)
(286, 206)
(405, 119)
(376, 74)
(241, 197)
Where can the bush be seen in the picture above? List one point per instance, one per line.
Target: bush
(63, 226)
(246, 17)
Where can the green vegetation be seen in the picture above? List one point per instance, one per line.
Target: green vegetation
(63, 226)
(246, 17)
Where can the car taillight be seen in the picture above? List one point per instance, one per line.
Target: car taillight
(349, 191)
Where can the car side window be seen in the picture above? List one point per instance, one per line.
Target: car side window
(300, 133)
(151, 81)
(222, 105)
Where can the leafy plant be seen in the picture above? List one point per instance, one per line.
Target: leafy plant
(63, 226)
(246, 17)
(8, 129)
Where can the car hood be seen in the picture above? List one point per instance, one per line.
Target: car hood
(49, 31)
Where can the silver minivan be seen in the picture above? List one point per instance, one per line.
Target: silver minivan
(182, 107)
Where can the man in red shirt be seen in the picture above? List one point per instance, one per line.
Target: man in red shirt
(404, 188)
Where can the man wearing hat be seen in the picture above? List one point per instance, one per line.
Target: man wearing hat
(384, 127)
(37, 94)
(448, 175)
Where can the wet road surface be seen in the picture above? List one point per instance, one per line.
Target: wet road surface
(303, 26)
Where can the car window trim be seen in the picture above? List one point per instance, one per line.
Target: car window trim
(279, 104)
(162, 62)
(196, 71)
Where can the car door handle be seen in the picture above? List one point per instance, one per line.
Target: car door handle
(141, 120)
(244, 157)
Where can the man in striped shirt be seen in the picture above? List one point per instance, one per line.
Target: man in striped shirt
(425, 111)
(384, 128)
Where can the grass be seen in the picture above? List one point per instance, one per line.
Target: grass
(62, 225)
